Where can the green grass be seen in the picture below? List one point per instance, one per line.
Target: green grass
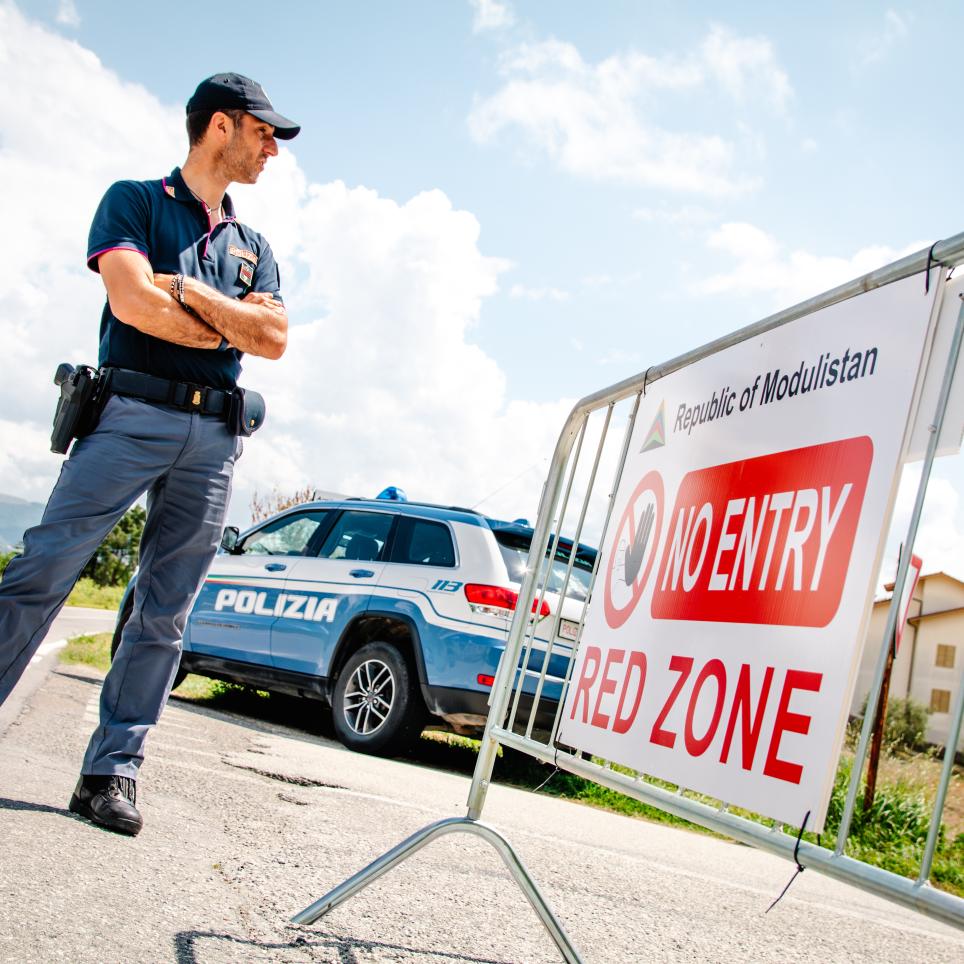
(95, 651)
(199, 688)
(88, 650)
(88, 593)
(892, 833)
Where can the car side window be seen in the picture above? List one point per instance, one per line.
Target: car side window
(358, 535)
(288, 536)
(422, 543)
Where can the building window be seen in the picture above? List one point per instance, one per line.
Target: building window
(945, 656)
(940, 701)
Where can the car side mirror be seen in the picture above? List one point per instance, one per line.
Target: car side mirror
(230, 540)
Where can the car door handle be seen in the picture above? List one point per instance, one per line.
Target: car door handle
(361, 573)
(275, 566)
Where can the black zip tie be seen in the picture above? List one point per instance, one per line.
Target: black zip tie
(796, 858)
(927, 271)
(646, 379)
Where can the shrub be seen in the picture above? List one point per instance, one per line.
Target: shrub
(114, 562)
(904, 727)
(906, 724)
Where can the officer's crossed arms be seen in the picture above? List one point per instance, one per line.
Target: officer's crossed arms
(255, 324)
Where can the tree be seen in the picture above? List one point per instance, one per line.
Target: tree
(5, 558)
(263, 506)
(114, 562)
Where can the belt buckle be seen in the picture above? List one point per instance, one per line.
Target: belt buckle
(194, 396)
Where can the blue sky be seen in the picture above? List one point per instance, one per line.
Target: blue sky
(493, 208)
(385, 91)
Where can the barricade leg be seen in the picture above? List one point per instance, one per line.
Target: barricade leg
(425, 836)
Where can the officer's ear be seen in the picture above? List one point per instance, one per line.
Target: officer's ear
(222, 125)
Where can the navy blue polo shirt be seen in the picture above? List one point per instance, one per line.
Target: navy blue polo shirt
(163, 221)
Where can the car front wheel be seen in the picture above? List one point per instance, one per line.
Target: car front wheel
(376, 706)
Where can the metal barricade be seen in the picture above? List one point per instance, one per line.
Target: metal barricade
(514, 724)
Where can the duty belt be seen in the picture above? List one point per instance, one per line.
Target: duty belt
(183, 395)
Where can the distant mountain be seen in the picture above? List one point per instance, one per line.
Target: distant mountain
(13, 500)
(16, 515)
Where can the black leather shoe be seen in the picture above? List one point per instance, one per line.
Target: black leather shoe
(108, 801)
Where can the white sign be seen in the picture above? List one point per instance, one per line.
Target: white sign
(720, 646)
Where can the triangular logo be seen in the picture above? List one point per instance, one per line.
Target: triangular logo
(656, 436)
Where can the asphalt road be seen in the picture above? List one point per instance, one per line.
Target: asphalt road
(71, 621)
(248, 822)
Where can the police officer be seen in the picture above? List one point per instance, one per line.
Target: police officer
(189, 290)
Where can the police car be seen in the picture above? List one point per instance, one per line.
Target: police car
(395, 613)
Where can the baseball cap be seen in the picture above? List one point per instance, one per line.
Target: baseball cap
(235, 91)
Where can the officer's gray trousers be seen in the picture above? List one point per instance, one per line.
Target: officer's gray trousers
(184, 462)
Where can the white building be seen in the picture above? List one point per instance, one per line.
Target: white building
(931, 655)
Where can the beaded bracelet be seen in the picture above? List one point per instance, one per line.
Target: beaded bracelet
(177, 292)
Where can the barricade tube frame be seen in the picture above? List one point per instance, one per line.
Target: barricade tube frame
(918, 895)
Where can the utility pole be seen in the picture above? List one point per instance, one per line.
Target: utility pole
(878, 737)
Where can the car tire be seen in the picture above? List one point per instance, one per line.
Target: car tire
(119, 630)
(376, 705)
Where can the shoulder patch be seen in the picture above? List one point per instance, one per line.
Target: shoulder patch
(243, 253)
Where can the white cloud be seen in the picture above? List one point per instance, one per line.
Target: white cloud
(878, 46)
(746, 67)
(595, 120)
(25, 459)
(940, 537)
(538, 294)
(764, 266)
(620, 357)
(57, 157)
(605, 280)
(688, 215)
(491, 15)
(380, 383)
(67, 13)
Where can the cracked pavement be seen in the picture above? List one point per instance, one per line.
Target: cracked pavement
(248, 822)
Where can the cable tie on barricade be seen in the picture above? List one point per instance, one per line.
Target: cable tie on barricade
(927, 270)
(646, 379)
(555, 770)
(796, 859)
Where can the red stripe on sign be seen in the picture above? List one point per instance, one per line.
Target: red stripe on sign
(765, 540)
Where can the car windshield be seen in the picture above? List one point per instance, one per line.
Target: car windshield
(514, 545)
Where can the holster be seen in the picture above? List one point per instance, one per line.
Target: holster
(82, 396)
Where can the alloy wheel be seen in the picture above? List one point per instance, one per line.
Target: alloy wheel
(369, 697)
